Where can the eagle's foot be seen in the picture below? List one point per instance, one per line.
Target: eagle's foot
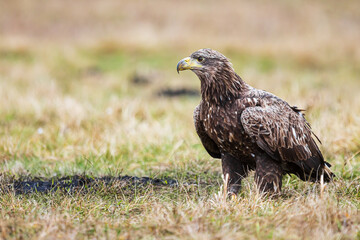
(233, 196)
(268, 175)
(234, 171)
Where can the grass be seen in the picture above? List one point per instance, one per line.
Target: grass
(57, 122)
(69, 106)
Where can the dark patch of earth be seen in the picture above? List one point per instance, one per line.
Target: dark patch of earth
(140, 79)
(74, 183)
(178, 92)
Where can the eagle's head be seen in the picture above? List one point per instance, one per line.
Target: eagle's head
(219, 82)
(205, 63)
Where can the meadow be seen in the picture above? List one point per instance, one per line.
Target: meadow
(82, 94)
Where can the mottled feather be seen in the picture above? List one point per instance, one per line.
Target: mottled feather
(250, 128)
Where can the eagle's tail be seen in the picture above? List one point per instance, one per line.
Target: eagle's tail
(314, 173)
(328, 174)
(313, 168)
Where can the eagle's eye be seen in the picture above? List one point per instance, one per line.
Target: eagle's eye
(200, 59)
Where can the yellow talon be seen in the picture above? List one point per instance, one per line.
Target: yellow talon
(233, 197)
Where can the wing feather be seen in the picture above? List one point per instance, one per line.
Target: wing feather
(207, 142)
(281, 132)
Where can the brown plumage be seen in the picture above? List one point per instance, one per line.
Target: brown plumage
(251, 129)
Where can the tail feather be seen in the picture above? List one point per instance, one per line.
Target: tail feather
(312, 169)
(328, 174)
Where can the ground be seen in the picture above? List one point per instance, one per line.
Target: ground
(87, 91)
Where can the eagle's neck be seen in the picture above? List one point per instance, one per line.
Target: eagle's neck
(222, 86)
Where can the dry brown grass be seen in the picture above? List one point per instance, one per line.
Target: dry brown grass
(68, 106)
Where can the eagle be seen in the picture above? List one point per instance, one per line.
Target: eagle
(251, 129)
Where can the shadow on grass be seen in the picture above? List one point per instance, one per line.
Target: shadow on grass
(81, 183)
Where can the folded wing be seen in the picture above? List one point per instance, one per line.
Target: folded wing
(284, 134)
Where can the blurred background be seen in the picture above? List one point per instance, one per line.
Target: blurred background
(92, 85)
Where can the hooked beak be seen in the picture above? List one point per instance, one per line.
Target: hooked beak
(187, 63)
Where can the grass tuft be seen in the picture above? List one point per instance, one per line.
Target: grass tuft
(80, 99)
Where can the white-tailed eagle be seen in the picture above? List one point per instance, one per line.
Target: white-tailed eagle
(251, 129)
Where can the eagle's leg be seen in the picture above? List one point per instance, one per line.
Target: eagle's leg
(236, 171)
(268, 174)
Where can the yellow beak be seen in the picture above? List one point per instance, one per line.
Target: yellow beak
(187, 63)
